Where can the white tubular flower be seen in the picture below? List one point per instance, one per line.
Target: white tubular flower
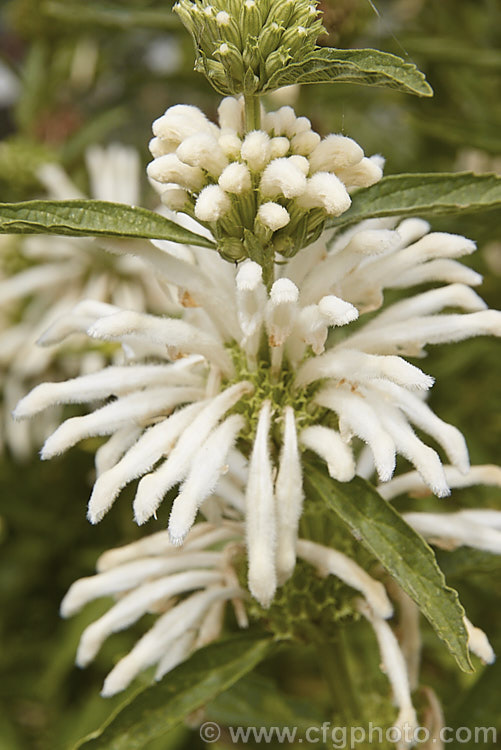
(284, 160)
(394, 666)
(242, 365)
(58, 273)
(261, 514)
(282, 178)
(478, 643)
(150, 576)
(212, 204)
(273, 215)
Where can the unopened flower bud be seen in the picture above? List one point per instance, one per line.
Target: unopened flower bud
(282, 178)
(273, 216)
(235, 178)
(212, 204)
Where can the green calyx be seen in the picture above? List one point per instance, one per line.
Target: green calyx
(239, 45)
(279, 389)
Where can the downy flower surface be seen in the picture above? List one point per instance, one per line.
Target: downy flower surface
(51, 275)
(260, 192)
(254, 369)
(188, 588)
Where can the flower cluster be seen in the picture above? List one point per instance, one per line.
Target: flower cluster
(247, 367)
(241, 45)
(151, 574)
(51, 274)
(260, 192)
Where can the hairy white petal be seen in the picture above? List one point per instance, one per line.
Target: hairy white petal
(362, 368)
(325, 190)
(177, 652)
(155, 443)
(329, 445)
(130, 575)
(136, 408)
(288, 498)
(256, 150)
(212, 204)
(235, 178)
(420, 414)
(110, 381)
(411, 336)
(260, 514)
(135, 604)
(207, 467)
(357, 417)
(179, 122)
(335, 152)
(424, 458)
(169, 332)
(108, 454)
(455, 530)
(478, 643)
(153, 487)
(157, 641)
(394, 666)
(412, 482)
(273, 215)
(281, 310)
(281, 177)
(331, 562)
(202, 150)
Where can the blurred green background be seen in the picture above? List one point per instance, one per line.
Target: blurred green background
(75, 72)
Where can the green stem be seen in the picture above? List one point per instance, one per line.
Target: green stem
(252, 112)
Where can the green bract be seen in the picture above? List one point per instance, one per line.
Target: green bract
(239, 46)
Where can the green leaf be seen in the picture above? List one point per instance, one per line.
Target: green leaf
(157, 709)
(258, 701)
(401, 550)
(86, 218)
(363, 66)
(418, 194)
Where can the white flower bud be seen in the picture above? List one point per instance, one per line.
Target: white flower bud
(363, 174)
(256, 150)
(202, 150)
(169, 168)
(212, 204)
(284, 121)
(301, 163)
(230, 144)
(235, 178)
(302, 125)
(273, 215)
(282, 178)
(305, 143)
(230, 114)
(175, 198)
(223, 18)
(159, 147)
(335, 152)
(325, 190)
(180, 121)
(279, 147)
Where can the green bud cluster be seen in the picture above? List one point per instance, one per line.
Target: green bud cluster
(240, 44)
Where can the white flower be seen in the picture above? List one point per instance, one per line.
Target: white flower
(151, 575)
(285, 162)
(57, 272)
(243, 364)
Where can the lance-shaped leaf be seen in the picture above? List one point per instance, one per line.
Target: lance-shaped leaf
(401, 550)
(157, 709)
(91, 218)
(423, 194)
(364, 66)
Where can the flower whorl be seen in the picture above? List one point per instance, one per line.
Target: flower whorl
(265, 191)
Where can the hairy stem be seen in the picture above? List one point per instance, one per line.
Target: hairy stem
(252, 112)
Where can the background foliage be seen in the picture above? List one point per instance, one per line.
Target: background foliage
(87, 72)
